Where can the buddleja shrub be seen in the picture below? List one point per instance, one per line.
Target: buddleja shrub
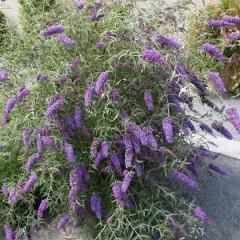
(94, 126)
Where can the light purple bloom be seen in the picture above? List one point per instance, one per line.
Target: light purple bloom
(128, 150)
(234, 36)
(116, 96)
(221, 129)
(79, 5)
(10, 104)
(70, 122)
(168, 130)
(180, 177)
(217, 81)
(78, 117)
(104, 148)
(63, 79)
(203, 152)
(116, 162)
(70, 153)
(48, 142)
(9, 233)
(169, 41)
(63, 221)
(233, 117)
(231, 19)
(4, 76)
(30, 183)
(74, 64)
(138, 132)
(31, 161)
(220, 23)
(96, 206)
(100, 44)
(135, 143)
(5, 190)
(56, 106)
(93, 149)
(189, 124)
(154, 56)
(103, 77)
(206, 128)
(181, 71)
(52, 30)
(218, 169)
(148, 100)
(214, 51)
(42, 207)
(127, 180)
(14, 196)
(22, 94)
(211, 105)
(89, 95)
(151, 140)
(26, 139)
(125, 65)
(198, 212)
(98, 159)
(66, 40)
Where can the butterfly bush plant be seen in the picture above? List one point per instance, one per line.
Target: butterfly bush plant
(94, 126)
(217, 27)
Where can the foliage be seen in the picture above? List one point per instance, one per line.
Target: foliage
(161, 209)
(199, 33)
(3, 27)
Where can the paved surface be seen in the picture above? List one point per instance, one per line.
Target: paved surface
(219, 197)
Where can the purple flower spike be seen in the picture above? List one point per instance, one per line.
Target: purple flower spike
(203, 152)
(169, 41)
(63, 221)
(211, 105)
(117, 191)
(96, 206)
(31, 161)
(52, 30)
(218, 169)
(79, 5)
(214, 51)
(4, 76)
(116, 96)
(103, 77)
(100, 44)
(189, 124)
(42, 207)
(154, 56)
(74, 64)
(93, 17)
(198, 212)
(5, 190)
(89, 95)
(98, 159)
(135, 144)
(104, 148)
(206, 128)
(56, 106)
(221, 129)
(219, 23)
(231, 19)
(26, 139)
(180, 177)
(10, 104)
(70, 153)
(148, 100)
(78, 117)
(116, 162)
(66, 40)
(217, 81)
(48, 142)
(168, 130)
(128, 204)
(127, 180)
(233, 117)
(93, 149)
(22, 94)
(70, 122)
(30, 183)
(63, 79)
(86, 131)
(128, 150)
(151, 140)
(234, 36)
(9, 233)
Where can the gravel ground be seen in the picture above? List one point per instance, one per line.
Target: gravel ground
(219, 197)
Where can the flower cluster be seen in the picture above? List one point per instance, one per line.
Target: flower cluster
(168, 130)
(65, 40)
(233, 117)
(180, 177)
(42, 207)
(169, 41)
(148, 100)
(52, 30)
(214, 51)
(96, 206)
(217, 81)
(220, 23)
(103, 77)
(154, 56)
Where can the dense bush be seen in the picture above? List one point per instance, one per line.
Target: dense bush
(94, 126)
(202, 30)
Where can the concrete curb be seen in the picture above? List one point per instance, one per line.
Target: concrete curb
(220, 145)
